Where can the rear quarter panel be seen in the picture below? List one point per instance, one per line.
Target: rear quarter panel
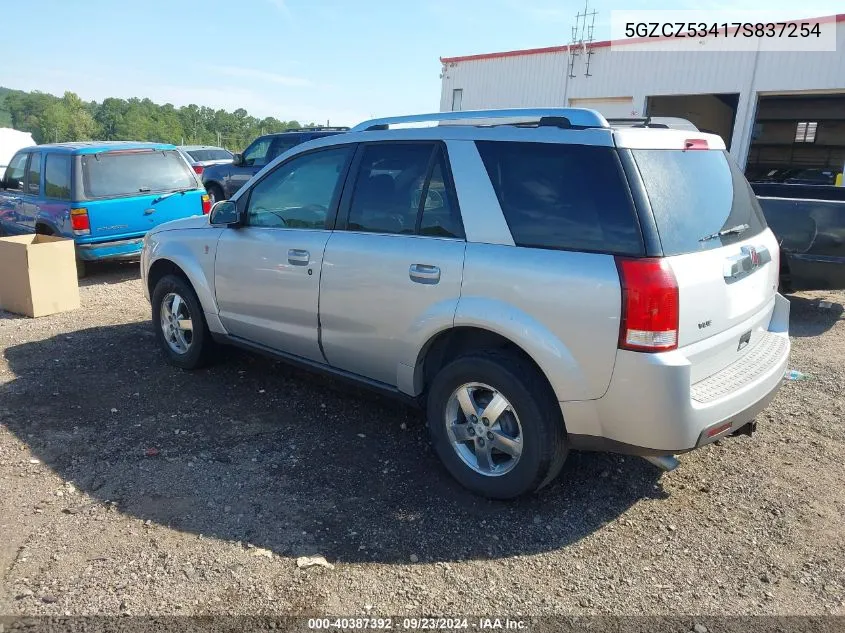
(562, 308)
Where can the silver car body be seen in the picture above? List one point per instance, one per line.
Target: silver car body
(186, 150)
(362, 314)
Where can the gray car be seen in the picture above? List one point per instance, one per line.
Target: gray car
(538, 280)
(203, 156)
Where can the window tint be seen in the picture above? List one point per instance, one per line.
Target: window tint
(299, 193)
(119, 173)
(279, 146)
(388, 187)
(256, 154)
(15, 172)
(57, 176)
(33, 174)
(201, 155)
(571, 197)
(694, 194)
(439, 217)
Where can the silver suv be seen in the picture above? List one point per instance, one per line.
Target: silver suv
(540, 280)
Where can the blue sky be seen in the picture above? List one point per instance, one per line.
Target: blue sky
(310, 60)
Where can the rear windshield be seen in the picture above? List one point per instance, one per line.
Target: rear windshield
(696, 194)
(564, 197)
(115, 174)
(202, 155)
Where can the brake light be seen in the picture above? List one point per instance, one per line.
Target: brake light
(79, 222)
(199, 169)
(206, 204)
(696, 143)
(649, 305)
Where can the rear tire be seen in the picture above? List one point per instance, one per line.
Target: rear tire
(215, 193)
(530, 425)
(180, 325)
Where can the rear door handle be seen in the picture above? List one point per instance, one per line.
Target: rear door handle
(298, 257)
(424, 274)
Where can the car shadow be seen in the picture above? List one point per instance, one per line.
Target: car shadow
(110, 272)
(807, 318)
(254, 451)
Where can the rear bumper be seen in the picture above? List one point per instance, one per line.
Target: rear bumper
(653, 408)
(111, 251)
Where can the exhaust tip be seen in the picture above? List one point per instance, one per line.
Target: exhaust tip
(666, 463)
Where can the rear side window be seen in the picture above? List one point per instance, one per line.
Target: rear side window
(57, 176)
(388, 187)
(33, 174)
(115, 174)
(696, 194)
(565, 197)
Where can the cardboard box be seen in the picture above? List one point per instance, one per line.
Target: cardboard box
(38, 275)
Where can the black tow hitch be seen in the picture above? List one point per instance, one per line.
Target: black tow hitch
(746, 429)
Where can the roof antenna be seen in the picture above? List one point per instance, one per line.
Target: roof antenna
(582, 39)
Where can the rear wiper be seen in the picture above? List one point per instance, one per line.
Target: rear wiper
(734, 230)
(165, 196)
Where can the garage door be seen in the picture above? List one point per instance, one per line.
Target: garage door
(610, 107)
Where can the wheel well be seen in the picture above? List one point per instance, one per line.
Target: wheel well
(459, 341)
(160, 269)
(44, 229)
(213, 183)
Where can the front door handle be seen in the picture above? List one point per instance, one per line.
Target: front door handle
(298, 257)
(424, 274)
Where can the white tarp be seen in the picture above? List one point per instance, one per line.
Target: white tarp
(10, 142)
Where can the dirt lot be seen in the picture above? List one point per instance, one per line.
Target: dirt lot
(132, 487)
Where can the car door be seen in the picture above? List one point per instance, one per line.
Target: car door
(54, 210)
(395, 261)
(267, 271)
(31, 198)
(11, 197)
(256, 156)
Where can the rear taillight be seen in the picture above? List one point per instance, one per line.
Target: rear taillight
(206, 204)
(649, 305)
(199, 169)
(696, 143)
(79, 222)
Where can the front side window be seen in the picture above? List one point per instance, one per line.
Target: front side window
(279, 146)
(57, 176)
(15, 172)
(299, 193)
(256, 154)
(33, 174)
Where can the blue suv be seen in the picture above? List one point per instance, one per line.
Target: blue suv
(103, 195)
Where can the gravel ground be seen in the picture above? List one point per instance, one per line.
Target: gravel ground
(131, 487)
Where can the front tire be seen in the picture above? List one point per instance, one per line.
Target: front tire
(496, 425)
(180, 325)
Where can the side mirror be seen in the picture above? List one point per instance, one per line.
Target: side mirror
(224, 213)
(238, 160)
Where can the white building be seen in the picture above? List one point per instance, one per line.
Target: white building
(773, 109)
